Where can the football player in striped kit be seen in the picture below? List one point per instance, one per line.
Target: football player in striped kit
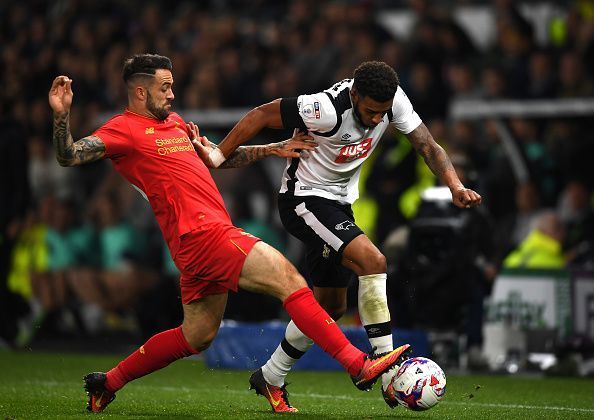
(346, 122)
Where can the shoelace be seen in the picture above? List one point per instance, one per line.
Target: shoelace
(285, 395)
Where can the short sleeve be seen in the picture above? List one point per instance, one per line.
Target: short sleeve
(404, 117)
(115, 134)
(317, 112)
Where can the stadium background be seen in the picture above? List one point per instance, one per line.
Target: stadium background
(82, 258)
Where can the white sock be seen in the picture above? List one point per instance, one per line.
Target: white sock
(288, 352)
(375, 315)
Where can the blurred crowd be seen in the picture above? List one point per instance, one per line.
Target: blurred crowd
(80, 250)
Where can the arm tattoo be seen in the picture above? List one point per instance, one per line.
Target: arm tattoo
(435, 157)
(70, 153)
(245, 155)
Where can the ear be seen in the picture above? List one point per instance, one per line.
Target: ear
(354, 94)
(140, 93)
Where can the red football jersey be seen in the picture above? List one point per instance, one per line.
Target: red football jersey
(158, 158)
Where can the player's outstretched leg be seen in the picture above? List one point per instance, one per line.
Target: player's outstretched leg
(277, 396)
(202, 318)
(99, 397)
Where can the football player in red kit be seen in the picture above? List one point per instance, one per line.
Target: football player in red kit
(151, 147)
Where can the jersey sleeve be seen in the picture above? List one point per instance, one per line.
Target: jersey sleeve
(404, 117)
(115, 134)
(312, 112)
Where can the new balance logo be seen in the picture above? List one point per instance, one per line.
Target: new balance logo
(345, 136)
(149, 130)
(346, 225)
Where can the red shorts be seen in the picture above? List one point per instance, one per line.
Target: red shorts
(210, 260)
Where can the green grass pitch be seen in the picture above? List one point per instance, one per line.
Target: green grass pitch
(43, 385)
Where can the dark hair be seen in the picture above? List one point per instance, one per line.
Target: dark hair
(145, 64)
(377, 80)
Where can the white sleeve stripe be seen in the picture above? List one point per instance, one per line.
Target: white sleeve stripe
(322, 231)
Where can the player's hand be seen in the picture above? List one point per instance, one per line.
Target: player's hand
(294, 146)
(201, 144)
(466, 198)
(60, 95)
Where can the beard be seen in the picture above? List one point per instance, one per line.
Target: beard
(159, 113)
(358, 116)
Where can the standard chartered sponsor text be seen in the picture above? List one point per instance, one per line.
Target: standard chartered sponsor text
(179, 144)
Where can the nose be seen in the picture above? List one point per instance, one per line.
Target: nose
(377, 118)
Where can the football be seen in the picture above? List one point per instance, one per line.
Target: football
(419, 384)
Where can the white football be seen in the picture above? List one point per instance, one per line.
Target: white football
(419, 384)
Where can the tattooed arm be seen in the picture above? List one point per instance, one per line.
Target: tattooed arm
(246, 155)
(438, 161)
(69, 152)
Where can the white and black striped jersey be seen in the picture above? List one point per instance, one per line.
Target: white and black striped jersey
(332, 170)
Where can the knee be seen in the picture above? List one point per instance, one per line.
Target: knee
(375, 264)
(198, 338)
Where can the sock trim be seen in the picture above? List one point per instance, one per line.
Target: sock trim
(378, 330)
(296, 295)
(291, 351)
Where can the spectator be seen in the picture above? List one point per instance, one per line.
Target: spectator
(542, 80)
(542, 248)
(66, 246)
(426, 92)
(118, 281)
(517, 225)
(461, 81)
(575, 212)
(541, 165)
(573, 81)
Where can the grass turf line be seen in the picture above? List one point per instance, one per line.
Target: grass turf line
(43, 385)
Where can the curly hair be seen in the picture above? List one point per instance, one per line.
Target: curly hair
(145, 64)
(377, 80)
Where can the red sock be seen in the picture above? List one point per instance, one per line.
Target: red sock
(159, 351)
(314, 322)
